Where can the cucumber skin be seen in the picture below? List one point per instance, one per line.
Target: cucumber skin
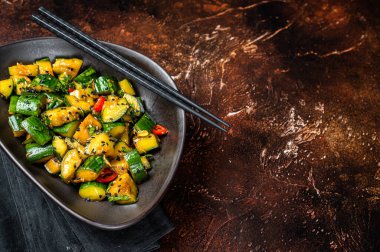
(136, 168)
(93, 183)
(93, 163)
(117, 112)
(86, 77)
(146, 122)
(136, 105)
(55, 101)
(15, 122)
(109, 126)
(39, 132)
(66, 128)
(12, 104)
(30, 104)
(106, 85)
(46, 80)
(35, 152)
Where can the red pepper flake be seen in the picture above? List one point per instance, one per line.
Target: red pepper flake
(106, 175)
(159, 130)
(99, 104)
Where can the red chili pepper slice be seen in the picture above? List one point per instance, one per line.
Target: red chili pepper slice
(71, 89)
(159, 130)
(106, 175)
(99, 104)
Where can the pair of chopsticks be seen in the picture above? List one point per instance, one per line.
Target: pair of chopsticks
(103, 53)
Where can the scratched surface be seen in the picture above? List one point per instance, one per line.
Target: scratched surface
(299, 82)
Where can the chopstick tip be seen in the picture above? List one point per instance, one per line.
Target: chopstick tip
(34, 17)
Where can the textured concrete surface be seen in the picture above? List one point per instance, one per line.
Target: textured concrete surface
(299, 82)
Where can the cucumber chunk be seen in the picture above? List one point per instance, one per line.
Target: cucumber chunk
(60, 147)
(30, 104)
(86, 78)
(38, 154)
(146, 122)
(91, 168)
(44, 83)
(69, 66)
(53, 166)
(114, 109)
(12, 104)
(126, 86)
(68, 129)
(136, 105)
(93, 191)
(105, 85)
(6, 88)
(115, 129)
(23, 70)
(44, 66)
(122, 190)
(15, 123)
(136, 168)
(70, 163)
(54, 100)
(62, 115)
(39, 132)
(146, 144)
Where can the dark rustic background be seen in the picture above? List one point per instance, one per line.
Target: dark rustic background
(298, 80)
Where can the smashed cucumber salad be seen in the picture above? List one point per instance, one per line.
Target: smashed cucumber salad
(86, 128)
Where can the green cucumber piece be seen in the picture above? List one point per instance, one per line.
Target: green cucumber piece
(126, 87)
(39, 132)
(45, 82)
(60, 116)
(43, 59)
(30, 104)
(38, 154)
(146, 143)
(15, 124)
(70, 163)
(115, 112)
(54, 100)
(71, 100)
(6, 88)
(136, 168)
(106, 85)
(107, 127)
(60, 147)
(65, 81)
(53, 166)
(91, 168)
(68, 129)
(94, 163)
(135, 104)
(146, 122)
(115, 129)
(86, 78)
(12, 104)
(93, 191)
(122, 190)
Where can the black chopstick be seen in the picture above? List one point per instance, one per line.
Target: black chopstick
(120, 59)
(117, 57)
(131, 75)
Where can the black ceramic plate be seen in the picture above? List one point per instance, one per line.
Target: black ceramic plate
(100, 214)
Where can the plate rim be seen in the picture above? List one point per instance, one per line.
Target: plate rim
(168, 180)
